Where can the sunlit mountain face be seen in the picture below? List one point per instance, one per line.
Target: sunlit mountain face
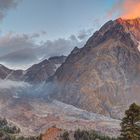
(61, 73)
(103, 76)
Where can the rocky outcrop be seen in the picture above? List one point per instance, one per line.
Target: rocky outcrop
(104, 75)
(52, 133)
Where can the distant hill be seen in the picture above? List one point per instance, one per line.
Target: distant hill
(36, 73)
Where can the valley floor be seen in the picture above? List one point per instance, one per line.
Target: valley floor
(35, 116)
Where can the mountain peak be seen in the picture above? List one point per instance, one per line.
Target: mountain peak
(132, 22)
(131, 26)
(126, 30)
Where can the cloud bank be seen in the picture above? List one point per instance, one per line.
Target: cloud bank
(21, 51)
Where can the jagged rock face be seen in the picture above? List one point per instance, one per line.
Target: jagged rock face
(104, 75)
(9, 74)
(39, 72)
(57, 59)
(4, 72)
(16, 75)
(43, 70)
(36, 73)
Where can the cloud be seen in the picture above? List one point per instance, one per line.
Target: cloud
(20, 59)
(128, 9)
(131, 9)
(6, 5)
(84, 34)
(22, 51)
(18, 50)
(13, 42)
(8, 84)
(60, 46)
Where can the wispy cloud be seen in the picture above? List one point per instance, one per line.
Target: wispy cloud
(84, 34)
(8, 84)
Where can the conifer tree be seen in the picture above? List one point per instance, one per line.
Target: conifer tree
(131, 124)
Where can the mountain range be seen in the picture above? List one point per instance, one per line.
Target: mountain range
(36, 73)
(92, 86)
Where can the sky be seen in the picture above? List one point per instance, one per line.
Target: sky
(33, 30)
(59, 18)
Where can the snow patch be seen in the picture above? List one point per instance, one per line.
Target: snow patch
(57, 66)
(16, 96)
(10, 74)
(139, 46)
(74, 113)
(24, 72)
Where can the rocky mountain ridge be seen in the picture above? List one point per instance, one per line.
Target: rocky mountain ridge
(104, 75)
(36, 73)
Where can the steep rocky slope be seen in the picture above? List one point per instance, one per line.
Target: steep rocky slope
(36, 73)
(57, 59)
(39, 72)
(43, 70)
(4, 72)
(104, 75)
